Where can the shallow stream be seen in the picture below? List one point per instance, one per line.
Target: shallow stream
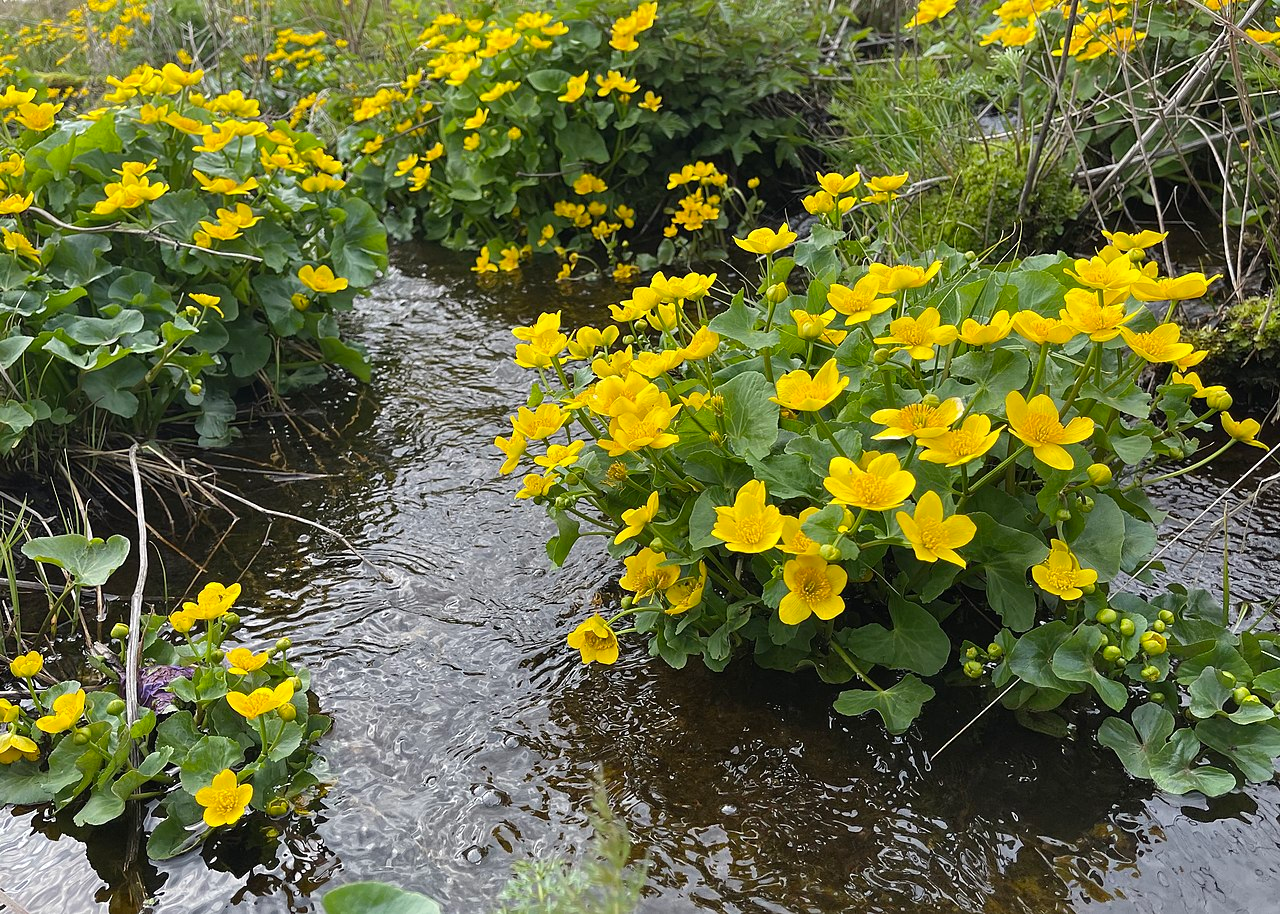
(468, 734)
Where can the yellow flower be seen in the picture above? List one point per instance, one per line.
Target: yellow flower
(1113, 278)
(1173, 288)
(595, 641)
(513, 448)
(903, 275)
(767, 241)
(934, 536)
(686, 593)
(535, 485)
(228, 186)
(703, 342)
(242, 661)
(13, 204)
(212, 601)
(577, 85)
(803, 392)
(1084, 313)
(836, 184)
(929, 11)
(923, 420)
(1245, 430)
(794, 540)
(1158, 345)
(651, 102)
(499, 90)
(957, 446)
(8, 711)
(822, 204)
(751, 524)
(648, 573)
(20, 244)
(879, 486)
(1038, 425)
(1040, 329)
(587, 183)
(182, 622)
(14, 746)
(1125, 242)
(813, 589)
(919, 336)
(978, 334)
(206, 301)
(26, 666)
(883, 187)
(321, 279)
(260, 701)
(860, 303)
(225, 800)
(471, 142)
(636, 519)
(560, 455)
(66, 712)
(646, 426)
(477, 120)
(37, 117)
(613, 80)
(539, 423)
(1060, 573)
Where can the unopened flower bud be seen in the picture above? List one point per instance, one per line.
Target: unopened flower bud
(115, 707)
(230, 620)
(777, 293)
(1157, 697)
(195, 388)
(1240, 694)
(1062, 515)
(287, 711)
(277, 807)
(1219, 400)
(1153, 643)
(1111, 653)
(1086, 504)
(864, 239)
(1087, 589)
(1157, 626)
(1167, 617)
(80, 738)
(829, 552)
(1150, 673)
(971, 653)
(931, 400)
(627, 602)
(973, 669)
(880, 356)
(295, 682)
(1127, 627)
(1226, 678)
(1099, 474)
(119, 631)
(1106, 616)
(995, 651)
(283, 644)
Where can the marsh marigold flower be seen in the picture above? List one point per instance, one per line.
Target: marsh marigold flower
(930, 11)
(595, 641)
(904, 275)
(1039, 329)
(1245, 430)
(803, 392)
(919, 336)
(1060, 573)
(648, 573)
(1173, 288)
(1158, 345)
(1138, 241)
(636, 519)
(260, 701)
(813, 589)
(1084, 313)
(764, 241)
(213, 601)
(242, 661)
(836, 184)
(957, 446)
(750, 525)
(27, 665)
(14, 746)
(64, 714)
(321, 279)
(686, 593)
(860, 303)
(224, 800)
(978, 334)
(1038, 425)
(880, 485)
(794, 540)
(922, 420)
(934, 536)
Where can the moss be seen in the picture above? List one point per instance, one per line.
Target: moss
(1244, 346)
(980, 206)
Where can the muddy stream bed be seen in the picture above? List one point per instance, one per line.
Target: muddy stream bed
(467, 734)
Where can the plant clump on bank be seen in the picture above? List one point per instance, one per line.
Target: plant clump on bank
(878, 470)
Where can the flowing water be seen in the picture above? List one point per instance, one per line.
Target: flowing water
(468, 735)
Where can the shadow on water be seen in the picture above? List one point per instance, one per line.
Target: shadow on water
(467, 734)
